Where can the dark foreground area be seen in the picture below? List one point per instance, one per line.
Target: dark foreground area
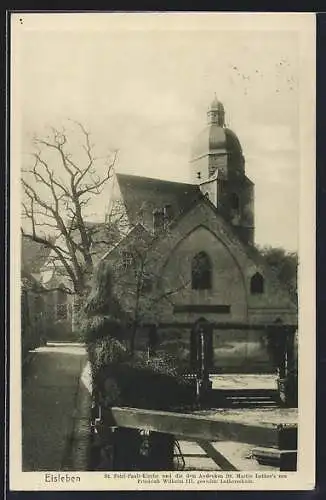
(55, 409)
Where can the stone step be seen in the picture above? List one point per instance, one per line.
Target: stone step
(247, 392)
(244, 398)
(251, 403)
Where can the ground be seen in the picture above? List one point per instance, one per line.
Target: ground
(55, 409)
(239, 454)
(244, 381)
(56, 404)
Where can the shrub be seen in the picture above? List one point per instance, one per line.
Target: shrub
(98, 327)
(118, 377)
(138, 382)
(105, 351)
(101, 320)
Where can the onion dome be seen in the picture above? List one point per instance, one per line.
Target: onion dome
(215, 137)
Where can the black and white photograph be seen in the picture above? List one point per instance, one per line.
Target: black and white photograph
(162, 245)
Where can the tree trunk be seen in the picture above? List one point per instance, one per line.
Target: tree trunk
(133, 337)
(78, 302)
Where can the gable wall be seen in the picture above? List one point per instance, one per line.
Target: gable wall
(202, 229)
(169, 262)
(227, 278)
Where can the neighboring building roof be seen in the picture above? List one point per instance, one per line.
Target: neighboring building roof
(138, 233)
(143, 195)
(28, 280)
(33, 255)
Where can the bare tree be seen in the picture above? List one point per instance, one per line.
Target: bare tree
(139, 285)
(58, 188)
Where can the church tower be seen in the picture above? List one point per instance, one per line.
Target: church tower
(218, 167)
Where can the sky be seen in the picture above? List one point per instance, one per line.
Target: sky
(142, 84)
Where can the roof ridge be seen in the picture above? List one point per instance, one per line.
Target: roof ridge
(143, 177)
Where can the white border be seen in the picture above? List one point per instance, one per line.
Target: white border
(304, 24)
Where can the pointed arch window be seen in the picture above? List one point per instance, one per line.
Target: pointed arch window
(201, 272)
(257, 284)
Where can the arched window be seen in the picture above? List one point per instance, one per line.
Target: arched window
(257, 284)
(201, 272)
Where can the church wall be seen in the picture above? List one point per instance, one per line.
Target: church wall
(245, 192)
(234, 350)
(208, 164)
(217, 161)
(247, 205)
(245, 228)
(221, 234)
(229, 255)
(240, 351)
(227, 281)
(209, 189)
(169, 264)
(199, 165)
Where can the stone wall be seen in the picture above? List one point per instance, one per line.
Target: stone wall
(234, 351)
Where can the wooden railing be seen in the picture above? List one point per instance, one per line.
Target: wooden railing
(203, 430)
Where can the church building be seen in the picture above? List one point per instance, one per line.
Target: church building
(189, 256)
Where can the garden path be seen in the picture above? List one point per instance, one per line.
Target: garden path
(55, 409)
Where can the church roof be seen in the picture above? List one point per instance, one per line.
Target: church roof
(137, 232)
(214, 138)
(143, 195)
(216, 105)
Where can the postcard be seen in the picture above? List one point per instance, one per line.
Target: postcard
(162, 318)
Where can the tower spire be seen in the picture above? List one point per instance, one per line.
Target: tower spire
(216, 113)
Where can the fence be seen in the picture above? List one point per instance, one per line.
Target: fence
(118, 429)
